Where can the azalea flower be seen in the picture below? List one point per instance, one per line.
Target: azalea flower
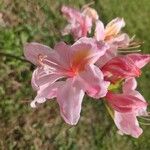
(67, 72)
(80, 22)
(127, 106)
(112, 32)
(113, 36)
(126, 66)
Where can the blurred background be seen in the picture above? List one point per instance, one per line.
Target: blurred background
(22, 127)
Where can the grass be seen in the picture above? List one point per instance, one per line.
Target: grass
(24, 128)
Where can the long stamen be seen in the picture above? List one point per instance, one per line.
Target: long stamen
(129, 51)
(130, 47)
(144, 123)
(40, 59)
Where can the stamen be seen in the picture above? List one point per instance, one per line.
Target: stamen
(131, 47)
(40, 59)
(143, 123)
(129, 51)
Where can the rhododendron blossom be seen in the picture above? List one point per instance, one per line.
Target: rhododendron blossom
(127, 106)
(112, 32)
(121, 67)
(80, 22)
(99, 64)
(75, 66)
(113, 36)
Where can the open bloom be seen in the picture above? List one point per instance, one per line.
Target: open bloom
(80, 22)
(113, 36)
(67, 72)
(121, 67)
(127, 106)
(112, 32)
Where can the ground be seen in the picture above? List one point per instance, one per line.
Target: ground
(22, 127)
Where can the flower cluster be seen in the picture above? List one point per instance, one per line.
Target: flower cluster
(92, 65)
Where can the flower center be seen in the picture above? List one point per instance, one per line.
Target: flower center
(79, 60)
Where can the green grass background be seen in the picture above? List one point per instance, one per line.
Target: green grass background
(22, 127)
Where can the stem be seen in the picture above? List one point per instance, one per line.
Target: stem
(13, 56)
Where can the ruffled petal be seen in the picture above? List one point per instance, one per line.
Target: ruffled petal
(69, 99)
(125, 103)
(122, 67)
(47, 91)
(40, 77)
(92, 82)
(32, 51)
(140, 60)
(96, 49)
(128, 124)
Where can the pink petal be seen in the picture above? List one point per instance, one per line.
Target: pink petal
(80, 24)
(97, 49)
(125, 103)
(114, 27)
(92, 82)
(47, 91)
(122, 40)
(33, 50)
(129, 88)
(40, 77)
(99, 31)
(129, 84)
(140, 60)
(110, 53)
(121, 66)
(69, 99)
(127, 124)
(71, 13)
(91, 13)
(64, 53)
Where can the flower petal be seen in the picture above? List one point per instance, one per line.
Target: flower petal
(127, 124)
(110, 53)
(125, 103)
(40, 77)
(97, 49)
(64, 54)
(92, 82)
(69, 99)
(121, 41)
(129, 84)
(114, 27)
(71, 13)
(121, 66)
(47, 91)
(140, 60)
(33, 50)
(99, 31)
(91, 13)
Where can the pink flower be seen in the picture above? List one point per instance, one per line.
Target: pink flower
(127, 106)
(121, 67)
(112, 35)
(112, 32)
(80, 22)
(67, 72)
